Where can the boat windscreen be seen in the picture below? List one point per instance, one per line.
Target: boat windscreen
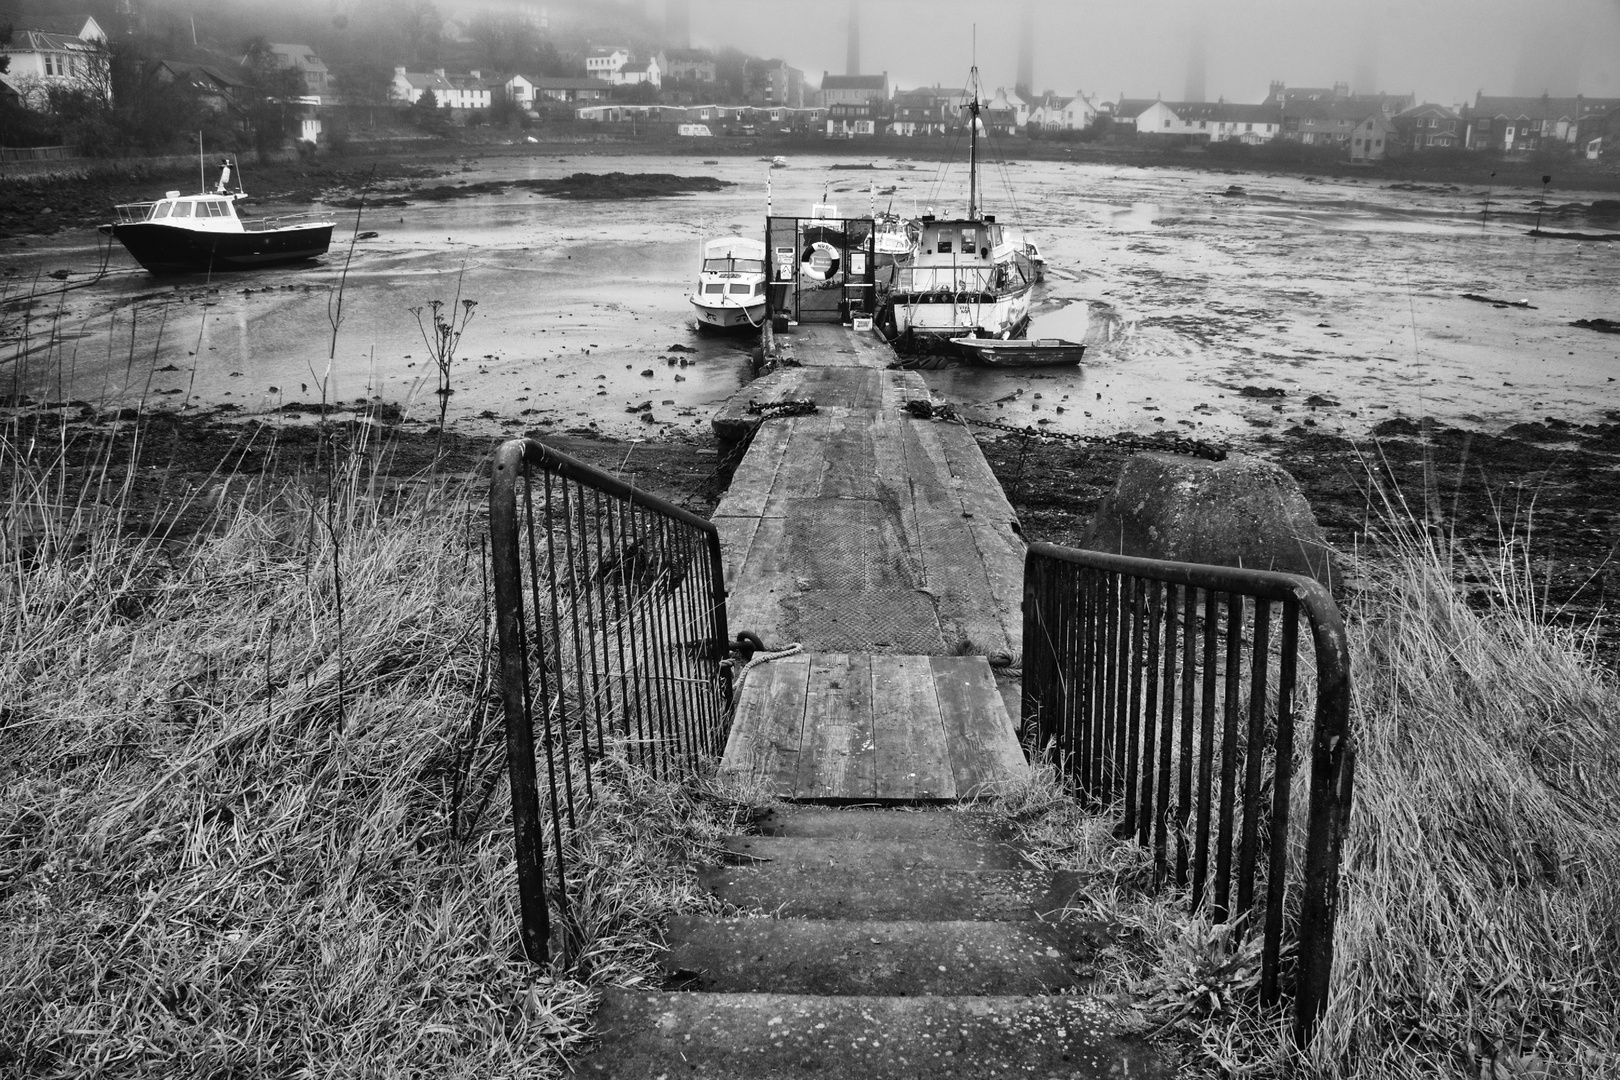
(161, 210)
(741, 266)
(182, 209)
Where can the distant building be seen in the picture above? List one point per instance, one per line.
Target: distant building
(1338, 94)
(1523, 124)
(853, 89)
(469, 91)
(918, 112)
(1429, 127)
(1012, 101)
(849, 120)
(1216, 121)
(1371, 139)
(66, 54)
(617, 66)
(302, 59)
(1323, 123)
(219, 87)
(689, 65)
(1050, 112)
(1129, 110)
(784, 84)
(519, 90)
(568, 90)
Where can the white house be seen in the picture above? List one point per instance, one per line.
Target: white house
(1054, 113)
(1211, 121)
(1011, 100)
(409, 86)
(468, 91)
(66, 56)
(519, 90)
(617, 66)
(1371, 138)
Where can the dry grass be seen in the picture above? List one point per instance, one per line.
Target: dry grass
(1479, 928)
(212, 864)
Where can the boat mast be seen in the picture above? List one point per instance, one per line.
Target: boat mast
(973, 131)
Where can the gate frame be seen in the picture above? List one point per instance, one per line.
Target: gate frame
(1332, 753)
(864, 290)
(507, 559)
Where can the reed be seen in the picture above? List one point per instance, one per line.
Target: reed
(201, 872)
(1477, 934)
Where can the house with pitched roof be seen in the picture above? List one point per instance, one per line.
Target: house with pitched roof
(409, 86)
(618, 66)
(918, 112)
(1128, 111)
(1013, 102)
(1211, 121)
(302, 59)
(54, 54)
(1052, 112)
(689, 65)
(1429, 127)
(1372, 138)
(547, 89)
(853, 89)
(1525, 124)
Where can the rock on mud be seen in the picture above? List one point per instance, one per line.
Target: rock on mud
(1239, 512)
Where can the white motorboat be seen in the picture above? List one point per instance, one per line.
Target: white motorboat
(970, 276)
(894, 239)
(731, 284)
(188, 234)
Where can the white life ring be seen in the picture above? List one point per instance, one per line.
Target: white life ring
(824, 267)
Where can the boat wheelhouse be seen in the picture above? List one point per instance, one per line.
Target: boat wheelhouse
(969, 277)
(731, 284)
(185, 234)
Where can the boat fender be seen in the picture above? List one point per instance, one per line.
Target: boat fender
(824, 268)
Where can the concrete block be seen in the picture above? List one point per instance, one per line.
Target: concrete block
(1239, 512)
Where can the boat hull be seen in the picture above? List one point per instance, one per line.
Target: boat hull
(928, 323)
(730, 317)
(164, 249)
(1017, 353)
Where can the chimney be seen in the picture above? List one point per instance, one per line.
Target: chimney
(1026, 52)
(852, 60)
(475, 73)
(439, 72)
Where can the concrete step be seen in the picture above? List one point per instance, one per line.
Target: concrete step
(810, 852)
(816, 822)
(901, 958)
(931, 895)
(777, 1036)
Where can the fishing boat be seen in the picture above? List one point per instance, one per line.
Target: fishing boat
(1021, 352)
(969, 277)
(894, 239)
(731, 284)
(187, 234)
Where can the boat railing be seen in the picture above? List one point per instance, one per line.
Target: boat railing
(943, 279)
(128, 213)
(270, 224)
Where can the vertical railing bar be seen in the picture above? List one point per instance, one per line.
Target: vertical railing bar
(1102, 718)
(528, 832)
(1281, 796)
(1206, 747)
(1086, 641)
(1189, 689)
(563, 727)
(599, 575)
(1230, 721)
(1260, 650)
(658, 618)
(548, 737)
(641, 645)
(1150, 713)
(689, 639)
(624, 624)
(571, 582)
(1129, 763)
(1167, 738)
(590, 616)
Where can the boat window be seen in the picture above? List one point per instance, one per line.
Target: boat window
(742, 289)
(182, 209)
(741, 266)
(161, 210)
(944, 247)
(714, 287)
(215, 208)
(759, 288)
(969, 239)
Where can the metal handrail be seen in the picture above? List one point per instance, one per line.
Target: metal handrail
(610, 611)
(1094, 668)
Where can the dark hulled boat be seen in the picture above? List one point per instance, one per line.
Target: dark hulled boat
(188, 234)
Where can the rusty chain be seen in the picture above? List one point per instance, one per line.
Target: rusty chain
(770, 410)
(1175, 444)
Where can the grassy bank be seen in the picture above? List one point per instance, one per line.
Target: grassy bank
(1477, 935)
(249, 826)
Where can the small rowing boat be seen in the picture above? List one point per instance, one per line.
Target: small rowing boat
(1020, 352)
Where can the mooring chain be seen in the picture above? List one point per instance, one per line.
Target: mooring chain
(1175, 444)
(770, 410)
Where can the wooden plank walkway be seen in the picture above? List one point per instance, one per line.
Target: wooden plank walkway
(884, 546)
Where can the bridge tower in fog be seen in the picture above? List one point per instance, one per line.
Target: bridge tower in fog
(1025, 85)
(852, 59)
(678, 24)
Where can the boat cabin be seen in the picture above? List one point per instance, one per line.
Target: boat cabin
(966, 256)
(733, 266)
(196, 212)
